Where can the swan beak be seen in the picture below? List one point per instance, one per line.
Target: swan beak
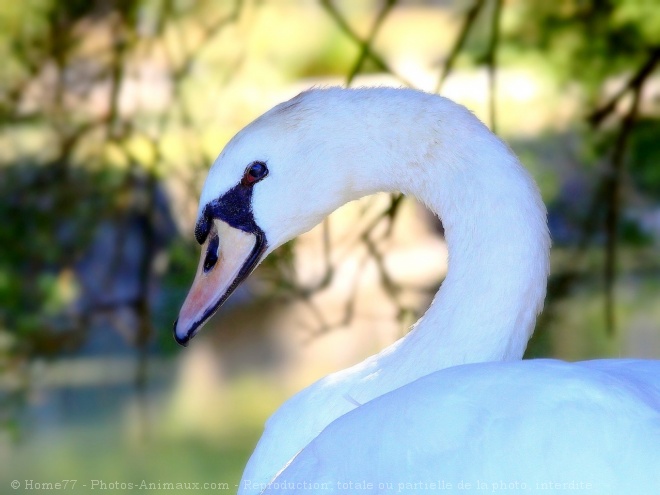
(228, 256)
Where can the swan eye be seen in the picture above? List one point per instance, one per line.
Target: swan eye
(255, 172)
(211, 254)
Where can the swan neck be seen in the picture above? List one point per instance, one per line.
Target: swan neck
(498, 244)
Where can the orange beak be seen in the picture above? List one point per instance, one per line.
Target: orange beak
(236, 255)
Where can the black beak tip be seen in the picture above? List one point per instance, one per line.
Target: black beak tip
(182, 341)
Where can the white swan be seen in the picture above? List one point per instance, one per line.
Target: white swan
(402, 417)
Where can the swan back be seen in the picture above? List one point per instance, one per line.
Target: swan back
(505, 427)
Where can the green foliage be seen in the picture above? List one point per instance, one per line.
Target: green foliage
(587, 41)
(46, 229)
(632, 234)
(335, 58)
(644, 153)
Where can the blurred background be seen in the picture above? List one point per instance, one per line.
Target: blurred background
(111, 113)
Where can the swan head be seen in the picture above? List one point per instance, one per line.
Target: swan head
(273, 181)
(286, 171)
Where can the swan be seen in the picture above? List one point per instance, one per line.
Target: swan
(451, 404)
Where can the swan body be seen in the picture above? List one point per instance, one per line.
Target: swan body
(286, 171)
(536, 425)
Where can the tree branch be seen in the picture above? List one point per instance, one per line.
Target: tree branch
(369, 52)
(491, 61)
(613, 187)
(470, 17)
(596, 117)
(365, 46)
